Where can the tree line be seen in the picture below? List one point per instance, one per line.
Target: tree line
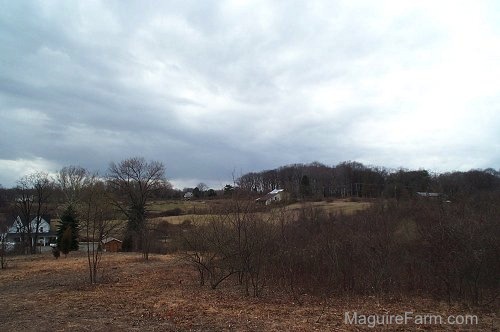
(347, 179)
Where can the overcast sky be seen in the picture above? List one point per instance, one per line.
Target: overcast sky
(216, 88)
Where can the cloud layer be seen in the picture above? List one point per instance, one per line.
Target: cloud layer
(219, 88)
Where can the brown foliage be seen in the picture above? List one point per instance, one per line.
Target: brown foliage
(419, 247)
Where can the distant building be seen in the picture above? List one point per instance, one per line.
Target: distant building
(112, 244)
(188, 195)
(427, 194)
(274, 196)
(439, 196)
(17, 231)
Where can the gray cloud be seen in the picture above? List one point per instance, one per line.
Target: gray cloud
(214, 88)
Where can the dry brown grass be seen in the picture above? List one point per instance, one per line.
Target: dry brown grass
(176, 220)
(333, 207)
(337, 206)
(43, 294)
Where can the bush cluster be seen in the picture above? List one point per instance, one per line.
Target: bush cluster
(448, 250)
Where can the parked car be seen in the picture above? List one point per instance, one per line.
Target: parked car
(9, 246)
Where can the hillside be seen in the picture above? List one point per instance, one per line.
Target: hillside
(41, 293)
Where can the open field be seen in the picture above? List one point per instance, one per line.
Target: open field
(196, 211)
(336, 206)
(185, 206)
(39, 293)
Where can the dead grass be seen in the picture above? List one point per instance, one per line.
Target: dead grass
(176, 220)
(337, 206)
(40, 294)
(187, 207)
(333, 207)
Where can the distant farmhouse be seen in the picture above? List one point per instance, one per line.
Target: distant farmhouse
(188, 195)
(17, 231)
(276, 195)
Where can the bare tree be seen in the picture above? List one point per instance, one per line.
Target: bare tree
(97, 221)
(3, 199)
(133, 183)
(202, 188)
(33, 192)
(43, 188)
(4, 245)
(236, 242)
(72, 180)
(23, 206)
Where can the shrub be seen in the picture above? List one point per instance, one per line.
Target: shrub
(420, 247)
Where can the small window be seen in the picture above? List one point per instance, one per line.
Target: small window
(41, 229)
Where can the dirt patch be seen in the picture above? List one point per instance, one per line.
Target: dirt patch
(43, 294)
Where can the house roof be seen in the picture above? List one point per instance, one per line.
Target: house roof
(270, 195)
(276, 191)
(13, 224)
(11, 221)
(110, 239)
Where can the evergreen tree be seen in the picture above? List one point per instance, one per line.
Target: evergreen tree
(69, 221)
(66, 241)
(228, 190)
(197, 193)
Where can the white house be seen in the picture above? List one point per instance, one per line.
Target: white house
(273, 196)
(188, 195)
(16, 231)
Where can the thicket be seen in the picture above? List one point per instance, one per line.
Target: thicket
(447, 250)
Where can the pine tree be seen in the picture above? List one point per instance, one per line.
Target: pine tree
(69, 221)
(66, 241)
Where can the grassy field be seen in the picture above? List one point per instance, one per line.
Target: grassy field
(176, 220)
(196, 211)
(337, 206)
(187, 207)
(39, 293)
